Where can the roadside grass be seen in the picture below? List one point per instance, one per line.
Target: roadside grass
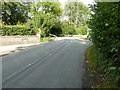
(81, 37)
(92, 57)
(45, 39)
(100, 79)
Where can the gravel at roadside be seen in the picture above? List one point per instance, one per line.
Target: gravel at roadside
(4, 50)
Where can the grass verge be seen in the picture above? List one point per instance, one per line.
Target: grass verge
(47, 39)
(96, 69)
(92, 58)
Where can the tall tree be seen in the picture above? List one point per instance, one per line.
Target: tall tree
(77, 13)
(52, 8)
(45, 16)
(14, 12)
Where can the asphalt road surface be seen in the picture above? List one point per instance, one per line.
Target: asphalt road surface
(57, 64)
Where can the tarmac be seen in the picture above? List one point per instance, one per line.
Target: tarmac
(4, 50)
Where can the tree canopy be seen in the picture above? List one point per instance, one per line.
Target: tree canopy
(77, 12)
(14, 12)
(45, 16)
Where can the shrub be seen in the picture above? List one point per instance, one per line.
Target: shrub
(82, 30)
(45, 39)
(68, 29)
(11, 30)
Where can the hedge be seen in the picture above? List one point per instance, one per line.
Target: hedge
(105, 34)
(12, 30)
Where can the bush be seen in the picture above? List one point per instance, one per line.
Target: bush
(68, 29)
(96, 72)
(45, 39)
(11, 30)
(82, 30)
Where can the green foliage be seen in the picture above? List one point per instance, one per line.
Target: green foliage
(92, 57)
(82, 30)
(108, 80)
(105, 35)
(45, 17)
(52, 8)
(77, 13)
(14, 12)
(46, 23)
(11, 30)
(45, 39)
(68, 29)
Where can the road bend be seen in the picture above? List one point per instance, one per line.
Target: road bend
(56, 64)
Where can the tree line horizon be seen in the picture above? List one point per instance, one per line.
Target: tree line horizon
(44, 17)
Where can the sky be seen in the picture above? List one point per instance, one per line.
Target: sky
(86, 2)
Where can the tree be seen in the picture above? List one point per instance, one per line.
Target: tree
(47, 7)
(68, 29)
(77, 13)
(45, 16)
(52, 8)
(14, 12)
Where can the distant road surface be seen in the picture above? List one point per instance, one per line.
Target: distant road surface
(57, 64)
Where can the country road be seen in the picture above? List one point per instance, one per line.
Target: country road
(57, 64)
